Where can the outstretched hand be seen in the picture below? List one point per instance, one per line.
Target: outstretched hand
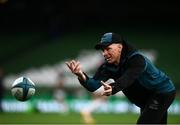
(76, 69)
(74, 66)
(107, 89)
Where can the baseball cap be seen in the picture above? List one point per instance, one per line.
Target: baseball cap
(108, 39)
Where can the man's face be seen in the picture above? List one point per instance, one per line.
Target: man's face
(112, 53)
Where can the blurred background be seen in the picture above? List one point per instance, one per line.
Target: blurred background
(38, 36)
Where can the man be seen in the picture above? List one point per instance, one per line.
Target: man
(141, 82)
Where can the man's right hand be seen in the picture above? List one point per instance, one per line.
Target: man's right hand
(76, 69)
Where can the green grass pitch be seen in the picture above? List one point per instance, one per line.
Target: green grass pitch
(72, 118)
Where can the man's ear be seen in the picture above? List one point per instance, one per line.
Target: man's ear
(120, 47)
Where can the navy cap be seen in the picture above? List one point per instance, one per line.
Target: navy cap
(108, 39)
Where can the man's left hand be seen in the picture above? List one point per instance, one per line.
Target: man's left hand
(107, 89)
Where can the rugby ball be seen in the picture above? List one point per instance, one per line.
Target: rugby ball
(23, 88)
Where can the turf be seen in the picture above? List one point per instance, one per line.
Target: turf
(72, 118)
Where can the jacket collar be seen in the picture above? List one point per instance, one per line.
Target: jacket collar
(126, 51)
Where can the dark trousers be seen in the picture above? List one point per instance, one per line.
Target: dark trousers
(156, 109)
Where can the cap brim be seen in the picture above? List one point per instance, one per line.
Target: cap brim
(101, 45)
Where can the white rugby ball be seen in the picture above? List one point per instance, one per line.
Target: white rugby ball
(23, 88)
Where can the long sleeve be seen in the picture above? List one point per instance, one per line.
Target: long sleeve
(135, 66)
(90, 84)
(94, 83)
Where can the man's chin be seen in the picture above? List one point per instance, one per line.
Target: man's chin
(110, 62)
